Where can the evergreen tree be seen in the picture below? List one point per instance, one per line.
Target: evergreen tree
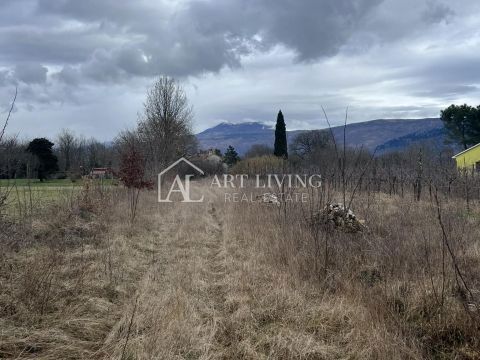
(231, 156)
(47, 161)
(280, 148)
(462, 124)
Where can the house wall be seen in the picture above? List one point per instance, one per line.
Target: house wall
(468, 159)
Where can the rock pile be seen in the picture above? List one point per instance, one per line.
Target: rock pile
(338, 217)
(268, 198)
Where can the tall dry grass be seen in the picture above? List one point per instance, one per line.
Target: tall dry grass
(246, 280)
(65, 272)
(398, 275)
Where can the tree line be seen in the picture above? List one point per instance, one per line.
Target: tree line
(163, 133)
(67, 156)
(462, 123)
(421, 169)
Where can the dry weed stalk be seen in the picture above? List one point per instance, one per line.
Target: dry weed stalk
(470, 300)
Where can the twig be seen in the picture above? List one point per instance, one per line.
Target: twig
(331, 132)
(129, 328)
(9, 114)
(362, 174)
(344, 162)
(458, 274)
(429, 269)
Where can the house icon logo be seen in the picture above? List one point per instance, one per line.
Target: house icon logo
(179, 185)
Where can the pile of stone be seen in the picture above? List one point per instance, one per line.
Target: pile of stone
(337, 216)
(268, 198)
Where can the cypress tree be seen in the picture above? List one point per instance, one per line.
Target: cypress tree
(280, 148)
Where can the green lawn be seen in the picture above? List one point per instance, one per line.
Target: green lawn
(25, 195)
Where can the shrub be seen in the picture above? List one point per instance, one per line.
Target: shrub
(262, 165)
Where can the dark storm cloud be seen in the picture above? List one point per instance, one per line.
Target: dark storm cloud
(141, 38)
(110, 41)
(242, 57)
(312, 28)
(51, 45)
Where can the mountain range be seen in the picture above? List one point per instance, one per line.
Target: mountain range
(384, 135)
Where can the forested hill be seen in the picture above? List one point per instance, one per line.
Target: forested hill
(384, 134)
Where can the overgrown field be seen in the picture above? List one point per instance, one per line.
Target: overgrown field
(218, 280)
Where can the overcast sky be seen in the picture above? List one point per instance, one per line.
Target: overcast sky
(86, 64)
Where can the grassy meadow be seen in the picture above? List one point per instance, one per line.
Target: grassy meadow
(29, 195)
(50, 183)
(249, 280)
(37, 183)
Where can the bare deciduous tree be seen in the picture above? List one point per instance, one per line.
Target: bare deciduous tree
(165, 128)
(67, 144)
(307, 143)
(132, 172)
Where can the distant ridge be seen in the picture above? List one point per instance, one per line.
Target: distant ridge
(384, 134)
(436, 137)
(241, 136)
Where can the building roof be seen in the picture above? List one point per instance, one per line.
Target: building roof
(464, 151)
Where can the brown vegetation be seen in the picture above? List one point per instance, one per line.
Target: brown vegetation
(248, 280)
(222, 280)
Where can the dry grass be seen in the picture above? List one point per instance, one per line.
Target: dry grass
(221, 281)
(64, 278)
(386, 283)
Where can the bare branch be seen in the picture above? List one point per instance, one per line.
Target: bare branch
(9, 114)
(331, 131)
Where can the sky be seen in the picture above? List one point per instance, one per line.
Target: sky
(86, 65)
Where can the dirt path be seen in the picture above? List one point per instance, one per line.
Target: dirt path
(178, 310)
(216, 273)
(210, 280)
(211, 291)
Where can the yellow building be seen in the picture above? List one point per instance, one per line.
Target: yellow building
(469, 159)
